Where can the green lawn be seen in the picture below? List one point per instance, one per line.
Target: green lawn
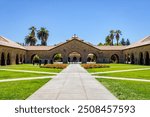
(142, 74)
(128, 90)
(10, 74)
(20, 90)
(30, 67)
(117, 67)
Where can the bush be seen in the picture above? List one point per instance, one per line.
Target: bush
(57, 66)
(90, 66)
(36, 59)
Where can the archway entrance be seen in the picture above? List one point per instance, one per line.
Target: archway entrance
(8, 59)
(132, 59)
(141, 58)
(74, 57)
(17, 59)
(57, 58)
(147, 60)
(115, 58)
(91, 57)
(2, 59)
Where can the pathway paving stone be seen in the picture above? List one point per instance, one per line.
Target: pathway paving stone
(73, 83)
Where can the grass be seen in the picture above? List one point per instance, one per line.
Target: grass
(10, 74)
(128, 90)
(30, 67)
(142, 74)
(20, 90)
(117, 67)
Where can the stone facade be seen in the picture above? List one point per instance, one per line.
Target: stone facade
(134, 54)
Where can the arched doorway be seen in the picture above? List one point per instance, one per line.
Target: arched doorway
(128, 59)
(132, 59)
(3, 59)
(74, 57)
(35, 59)
(21, 58)
(91, 57)
(8, 59)
(24, 58)
(32, 58)
(57, 57)
(17, 59)
(147, 60)
(115, 58)
(141, 60)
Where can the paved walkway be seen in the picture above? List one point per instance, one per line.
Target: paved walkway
(73, 83)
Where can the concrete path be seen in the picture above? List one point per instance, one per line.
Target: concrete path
(73, 83)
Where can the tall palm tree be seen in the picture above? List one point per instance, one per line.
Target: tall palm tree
(43, 34)
(108, 40)
(29, 39)
(117, 34)
(112, 33)
(33, 29)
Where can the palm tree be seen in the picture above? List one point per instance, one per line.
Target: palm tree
(33, 29)
(118, 33)
(43, 35)
(112, 32)
(29, 39)
(108, 40)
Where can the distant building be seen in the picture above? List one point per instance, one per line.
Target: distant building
(75, 50)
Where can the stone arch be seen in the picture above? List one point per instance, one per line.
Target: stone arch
(141, 58)
(132, 58)
(21, 60)
(128, 58)
(32, 57)
(8, 59)
(24, 59)
(3, 59)
(57, 57)
(74, 57)
(91, 57)
(17, 59)
(114, 58)
(147, 58)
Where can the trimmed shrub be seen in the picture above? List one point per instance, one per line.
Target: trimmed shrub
(90, 66)
(56, 66)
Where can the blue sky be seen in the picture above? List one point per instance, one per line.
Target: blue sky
(91, 20)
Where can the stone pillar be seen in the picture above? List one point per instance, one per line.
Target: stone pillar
(84, 58)
(65, 59)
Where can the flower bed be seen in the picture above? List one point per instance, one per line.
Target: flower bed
(90, 66)
(57, 66)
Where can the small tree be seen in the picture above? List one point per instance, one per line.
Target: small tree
(36, 59)
(100, 44)
(108, 40)
(127, 42)
(123, 42)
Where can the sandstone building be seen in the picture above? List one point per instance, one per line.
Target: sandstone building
(75, 50)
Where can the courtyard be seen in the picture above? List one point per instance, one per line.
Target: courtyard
(121, 81)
